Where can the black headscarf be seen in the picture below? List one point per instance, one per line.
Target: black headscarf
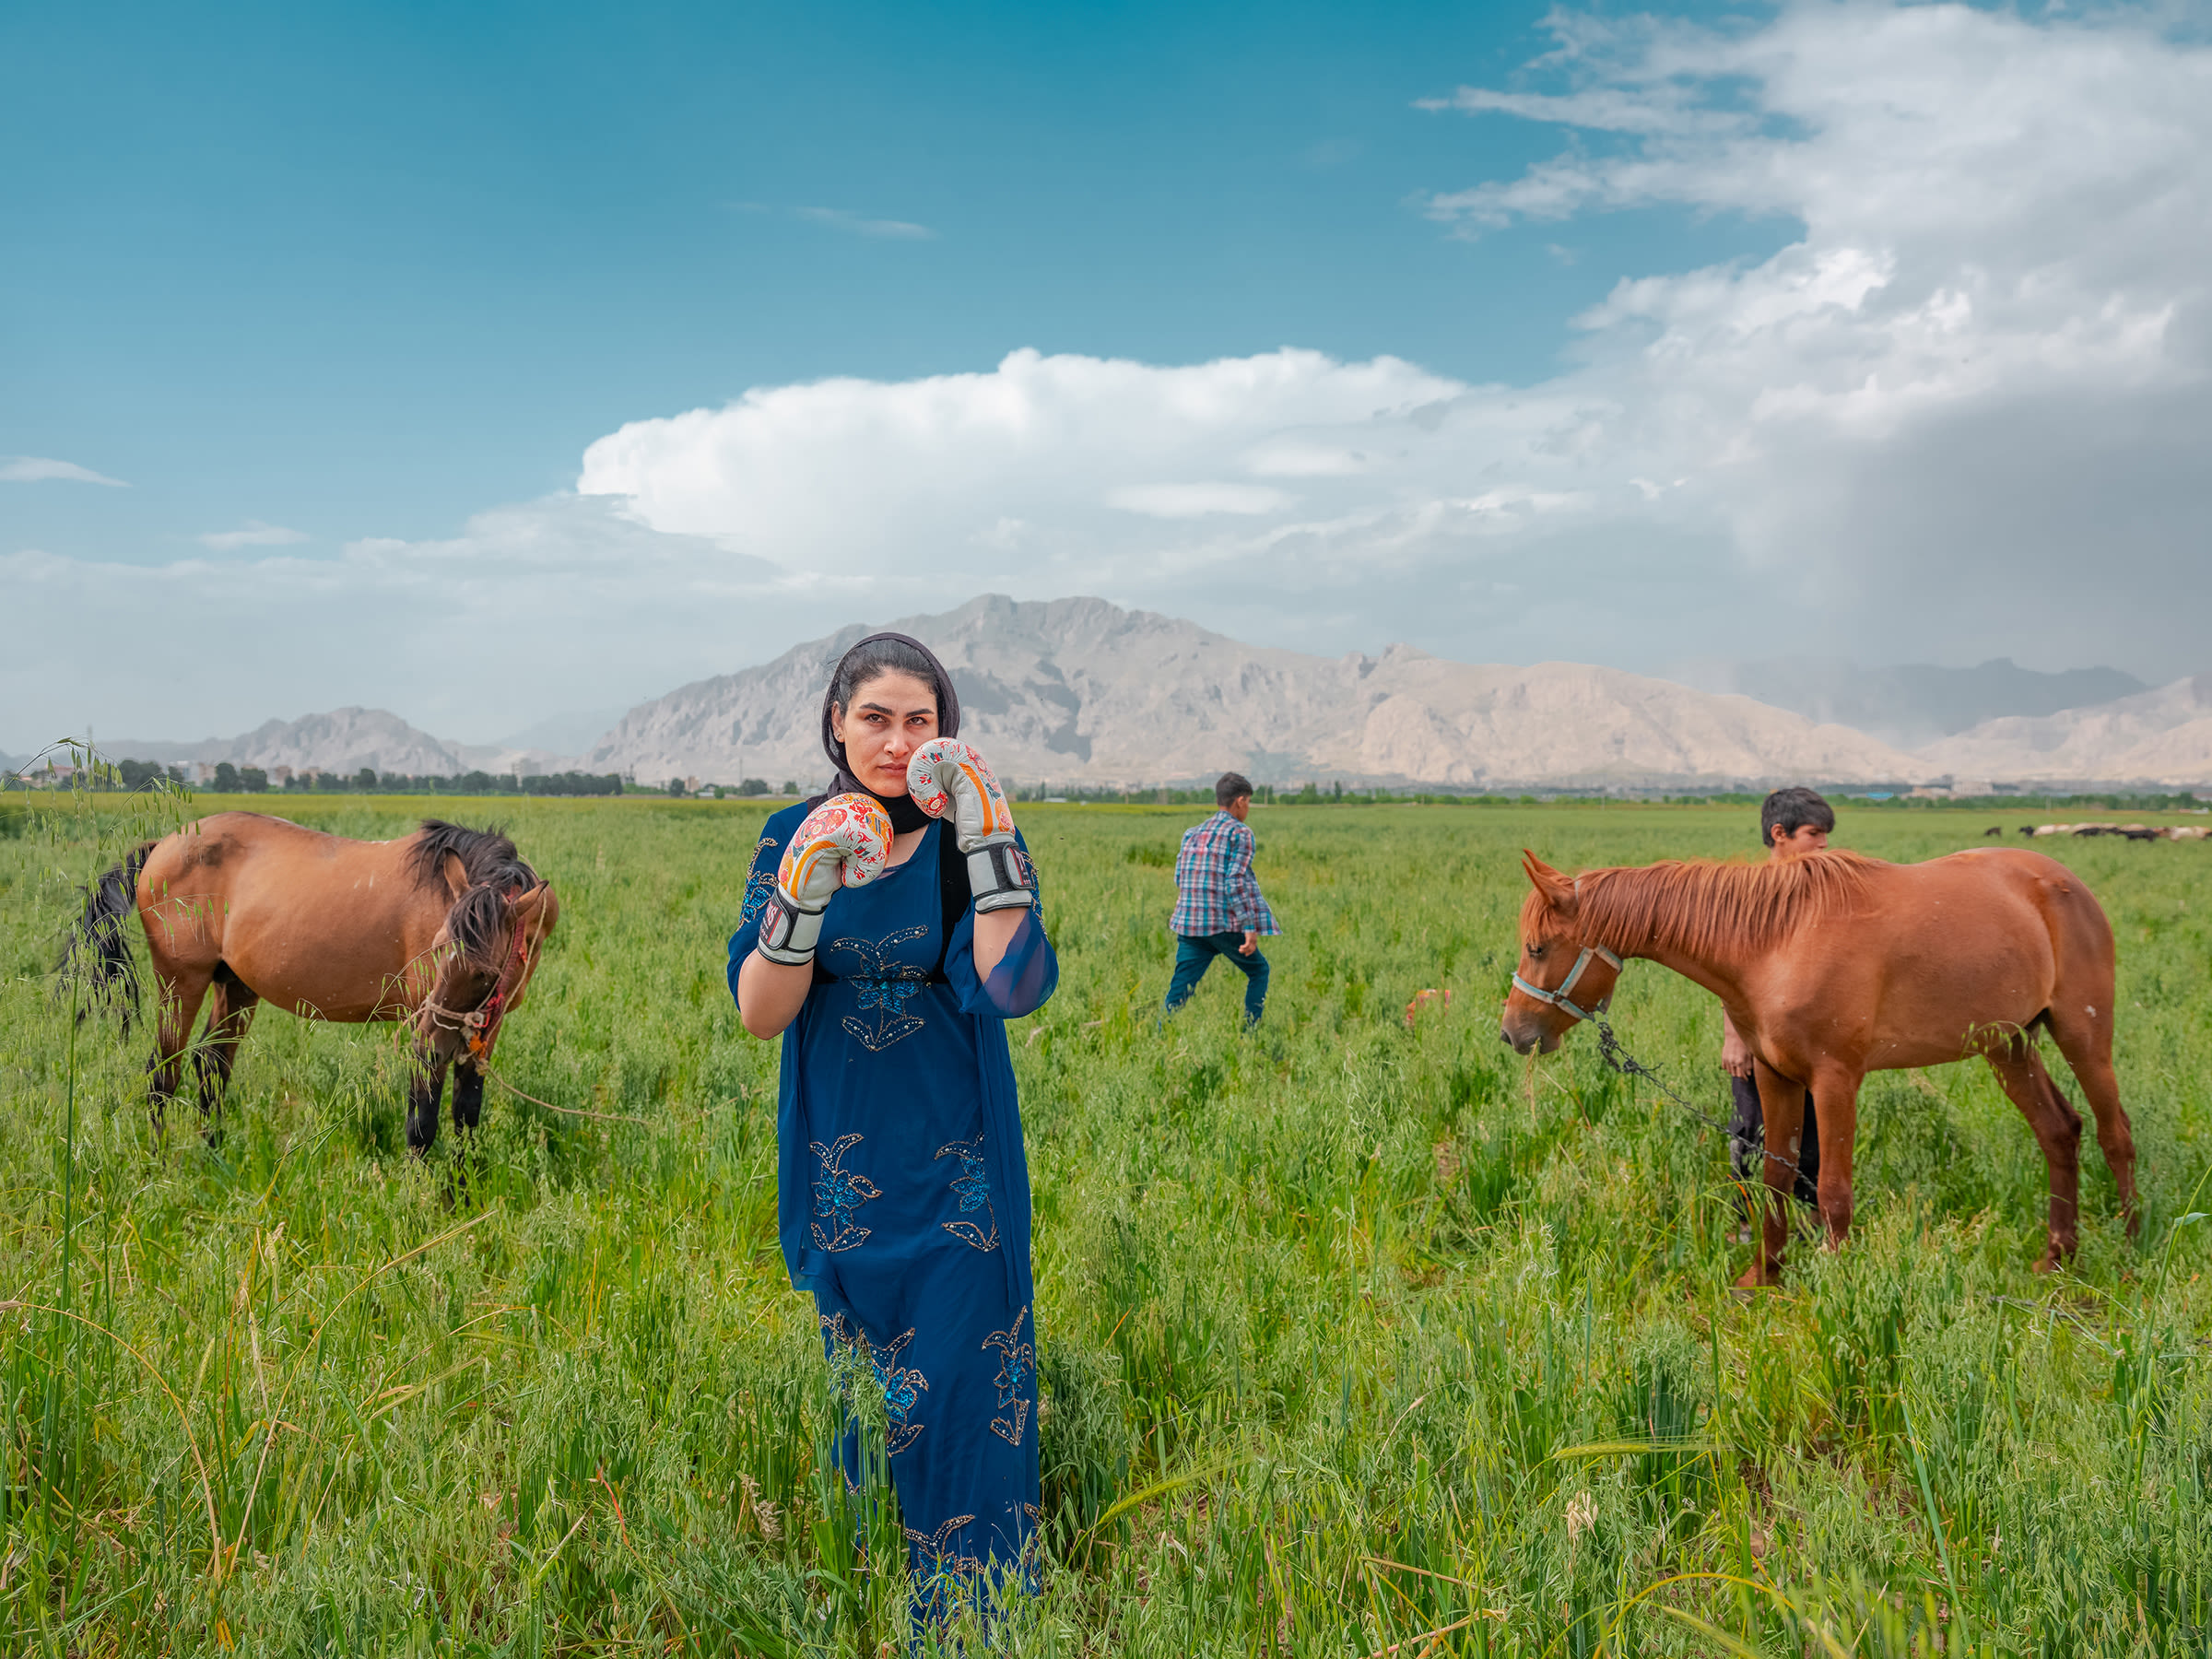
(904, 815)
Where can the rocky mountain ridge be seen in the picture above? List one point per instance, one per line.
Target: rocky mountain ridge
(1080, 692)
(341, 740)
(2161, 736)
(1911, 705)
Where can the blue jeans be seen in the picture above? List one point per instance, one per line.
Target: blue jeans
(1194, 953)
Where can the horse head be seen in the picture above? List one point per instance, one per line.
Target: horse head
(1562, 978)
(486, 953)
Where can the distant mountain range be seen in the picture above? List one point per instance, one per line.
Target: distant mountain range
(1914, 704)
(343, 740)
(2163, 736)
(1079, 691)
(1082, 692)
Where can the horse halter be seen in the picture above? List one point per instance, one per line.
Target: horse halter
(1558, 999)
(480, 1025)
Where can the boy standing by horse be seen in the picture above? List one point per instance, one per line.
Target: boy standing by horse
(1791, 822)
(1218, 911)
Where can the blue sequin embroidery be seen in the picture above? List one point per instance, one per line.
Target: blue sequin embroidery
(838, 1194)
(758, 886)
(972, 1186)
(1016, 1373)
(883, 989)
(902, 1385)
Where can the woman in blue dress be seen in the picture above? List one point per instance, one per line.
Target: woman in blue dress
(889, 929)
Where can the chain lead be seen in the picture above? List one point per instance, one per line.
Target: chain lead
(1610, 1051)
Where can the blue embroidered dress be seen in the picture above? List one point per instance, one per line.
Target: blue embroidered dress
(903, 1195)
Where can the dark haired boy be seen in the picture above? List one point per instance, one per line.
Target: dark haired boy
(1218, 911)
(1791, 822)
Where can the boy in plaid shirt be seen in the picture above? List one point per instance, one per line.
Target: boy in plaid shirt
(1218, 911)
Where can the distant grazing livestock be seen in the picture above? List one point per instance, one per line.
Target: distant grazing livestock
(1421, 999)
(441, 928)
(1834, 965)
(2131, 831)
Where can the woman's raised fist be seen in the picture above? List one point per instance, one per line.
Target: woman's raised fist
(949, 777)
(841, 843)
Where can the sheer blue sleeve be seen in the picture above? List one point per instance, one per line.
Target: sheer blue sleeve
(1026, 976)
(759, 883)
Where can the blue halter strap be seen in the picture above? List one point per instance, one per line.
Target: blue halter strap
(1559, 999)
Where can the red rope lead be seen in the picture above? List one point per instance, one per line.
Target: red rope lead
(486, 1031)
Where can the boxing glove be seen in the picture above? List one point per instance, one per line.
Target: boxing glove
(947, 779)
(841, 843)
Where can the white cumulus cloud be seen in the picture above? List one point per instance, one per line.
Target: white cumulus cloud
(254, 535)
(1197, 500)
(1095, 461)
(856, 224)
(35, 469)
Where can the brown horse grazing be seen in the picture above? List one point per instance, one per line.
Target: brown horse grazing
(441, 928)
(1834, 965)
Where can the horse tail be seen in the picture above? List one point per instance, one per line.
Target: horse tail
(97, 946)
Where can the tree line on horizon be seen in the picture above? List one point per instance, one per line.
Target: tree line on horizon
(229, 778)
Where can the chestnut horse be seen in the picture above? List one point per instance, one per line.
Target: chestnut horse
(1834, 965)
(441, 928)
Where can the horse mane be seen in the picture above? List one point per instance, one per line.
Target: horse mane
(1702, 906)
(493, 871)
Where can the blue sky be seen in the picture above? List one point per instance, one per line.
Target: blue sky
(358, 271)
(661, 337)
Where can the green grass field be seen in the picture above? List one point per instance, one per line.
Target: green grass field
(1354, 1340)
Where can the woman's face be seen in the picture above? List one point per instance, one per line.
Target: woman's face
(892, 715)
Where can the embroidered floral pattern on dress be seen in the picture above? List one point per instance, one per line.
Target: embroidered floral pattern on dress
(943, 1581)
(936, 1548)
(972, 1186)
(838, 1194)
(1016, 1375)
(1029, 1559)
(758, 886)
(902, 1385)
(883, 989)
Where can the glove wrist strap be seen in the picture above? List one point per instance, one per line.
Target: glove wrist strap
(788, 934)
(1000, 878)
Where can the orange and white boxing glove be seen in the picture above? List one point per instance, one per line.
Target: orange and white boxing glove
(841, 843)
(946, 776)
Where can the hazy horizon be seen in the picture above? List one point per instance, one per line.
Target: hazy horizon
(1710, 677)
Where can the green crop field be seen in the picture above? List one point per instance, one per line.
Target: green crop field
(1354, 1339)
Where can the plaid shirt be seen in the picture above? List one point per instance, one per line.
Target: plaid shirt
(1214, 889)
